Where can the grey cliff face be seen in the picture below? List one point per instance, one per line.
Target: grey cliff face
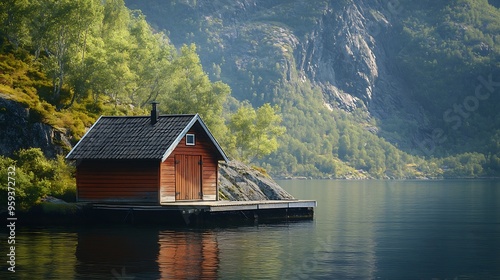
(342, 48)
(346, 55)
(337, 55)
(19, 131)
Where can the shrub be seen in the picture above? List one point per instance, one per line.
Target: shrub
(36, 177)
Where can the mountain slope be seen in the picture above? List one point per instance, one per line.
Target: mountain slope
(348, 74)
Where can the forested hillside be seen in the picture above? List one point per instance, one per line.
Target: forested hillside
(372, 86)
(65, 63)
(337, 89)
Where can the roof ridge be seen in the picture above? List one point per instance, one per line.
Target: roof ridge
(148, 116)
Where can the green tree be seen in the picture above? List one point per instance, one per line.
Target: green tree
(25, 193)
(190, 91)
(256, 131)
(14, 19)
(59, 31)
(242, 128)
(268, 128)
(344, 146)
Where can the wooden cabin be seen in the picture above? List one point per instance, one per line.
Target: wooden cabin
(147, 159)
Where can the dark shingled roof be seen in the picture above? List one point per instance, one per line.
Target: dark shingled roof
(135, 137)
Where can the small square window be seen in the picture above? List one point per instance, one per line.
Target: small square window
(190, 139)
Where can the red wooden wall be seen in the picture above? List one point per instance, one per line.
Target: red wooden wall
(120, 181)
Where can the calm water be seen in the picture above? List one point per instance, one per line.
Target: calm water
(362, 230)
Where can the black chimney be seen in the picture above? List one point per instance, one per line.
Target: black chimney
(154, 113)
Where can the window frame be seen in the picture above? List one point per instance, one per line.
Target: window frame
(188, 143)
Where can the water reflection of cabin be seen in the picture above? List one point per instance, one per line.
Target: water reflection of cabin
(147, 159)
(145, 253)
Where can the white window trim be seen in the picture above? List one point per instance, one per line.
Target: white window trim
(194, 140)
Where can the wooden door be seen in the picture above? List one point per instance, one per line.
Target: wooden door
(188, 177)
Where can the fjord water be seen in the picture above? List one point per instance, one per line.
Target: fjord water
(361, 230)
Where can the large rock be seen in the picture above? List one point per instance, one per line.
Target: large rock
(238, 181)
(20, 131)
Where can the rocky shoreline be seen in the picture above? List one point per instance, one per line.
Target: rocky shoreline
(240, 182)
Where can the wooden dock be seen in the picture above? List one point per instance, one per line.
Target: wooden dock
(208, 212)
